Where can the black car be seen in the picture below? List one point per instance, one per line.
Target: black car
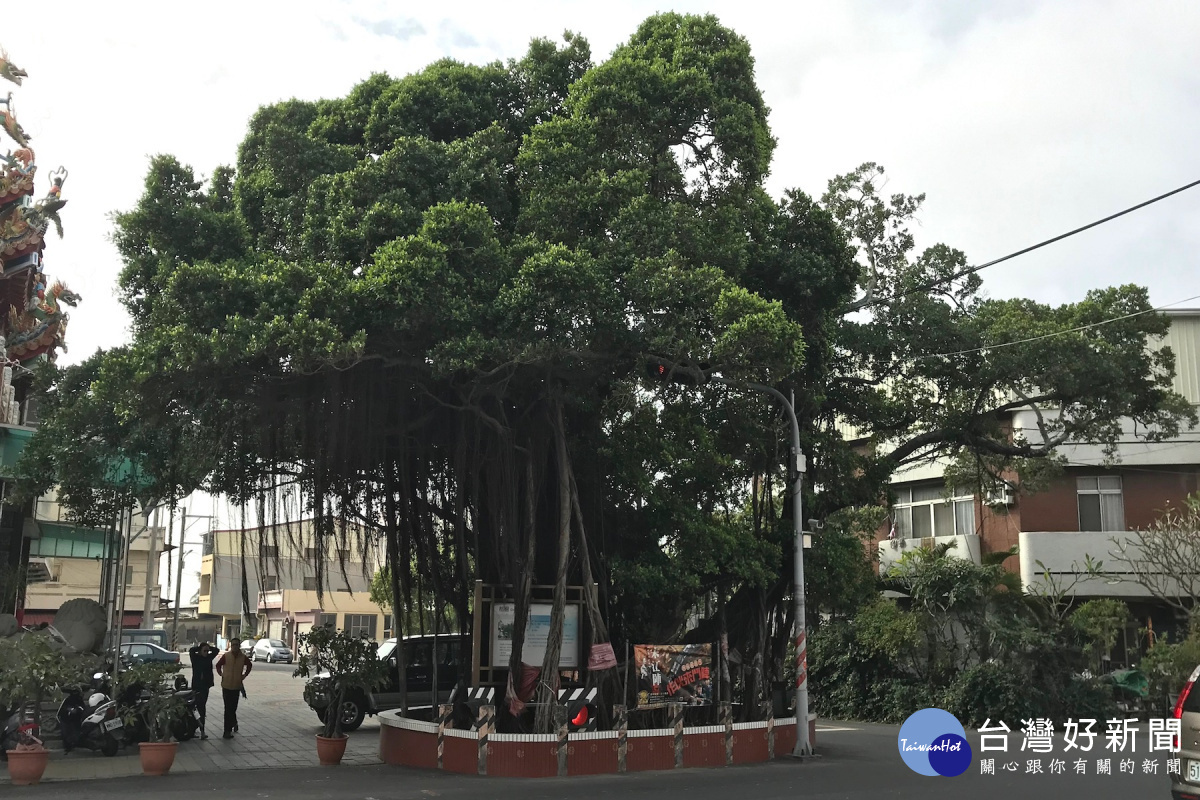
(142, 652)
(452, 654)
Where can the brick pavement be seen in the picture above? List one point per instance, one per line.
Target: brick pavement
(277, 730)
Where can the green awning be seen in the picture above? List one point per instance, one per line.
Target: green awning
(12, 443)
(60, 540)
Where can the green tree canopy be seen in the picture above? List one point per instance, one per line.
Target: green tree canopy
(429, 304)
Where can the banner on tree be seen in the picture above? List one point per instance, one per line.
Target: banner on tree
(673, 673)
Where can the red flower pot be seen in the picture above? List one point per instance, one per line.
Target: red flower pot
(26, 767)
(157, 757)
(330, 751)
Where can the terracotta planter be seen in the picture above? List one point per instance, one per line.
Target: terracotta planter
(330, 751)
(26, 767)
(157, 757)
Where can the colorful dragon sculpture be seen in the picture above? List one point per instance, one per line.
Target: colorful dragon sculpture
(33, 317)
(9, 70)
(43, 323)
(23, 225)
(8, 119)
(16, 175)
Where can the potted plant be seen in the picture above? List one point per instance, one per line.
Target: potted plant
(343, 664)
(157, 711)
(33, 668)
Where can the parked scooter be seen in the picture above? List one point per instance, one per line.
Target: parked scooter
(134, 699)
(92, 724)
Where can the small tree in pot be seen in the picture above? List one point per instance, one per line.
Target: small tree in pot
(343, 664)
(157, 710)
(34, 667)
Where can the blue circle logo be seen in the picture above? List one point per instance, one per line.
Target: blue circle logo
(932, 742)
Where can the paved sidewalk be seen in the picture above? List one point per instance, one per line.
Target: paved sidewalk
(277, 730)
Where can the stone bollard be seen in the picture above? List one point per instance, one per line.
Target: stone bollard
(621, 715)
(560, 724)
(677, 721)
(727, 721)
(487, 717)
(444, 712)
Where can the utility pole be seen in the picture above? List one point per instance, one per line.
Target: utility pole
(151, 570)
(803, 744)
(179, 571)
(179, 581)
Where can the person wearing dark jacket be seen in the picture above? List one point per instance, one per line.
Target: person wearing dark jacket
(202, 678)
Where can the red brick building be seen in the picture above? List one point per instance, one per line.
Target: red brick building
(1078, 515)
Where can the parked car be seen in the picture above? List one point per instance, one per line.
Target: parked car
(142, 652)
(453, 652)
(248, 647)
(1187, 711)
(271, 650)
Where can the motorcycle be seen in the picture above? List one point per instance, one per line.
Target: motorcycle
(93, 724)
(185, 726)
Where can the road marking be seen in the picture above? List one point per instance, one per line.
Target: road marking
(834, 730)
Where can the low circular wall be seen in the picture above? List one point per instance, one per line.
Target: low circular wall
(429, 745)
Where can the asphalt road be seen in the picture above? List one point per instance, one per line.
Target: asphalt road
(860, 763)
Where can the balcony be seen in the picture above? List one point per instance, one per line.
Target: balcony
(891, 550)
(1063, 554)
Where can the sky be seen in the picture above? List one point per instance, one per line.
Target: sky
(1018, 119)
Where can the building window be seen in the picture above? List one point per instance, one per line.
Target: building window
(206, 544)
(1101, 504)
(270, 551)
(922, 511)
(205, 585)
(310, 584)
(328, 621)
(270, 583)
(361, 625)
(128, 575)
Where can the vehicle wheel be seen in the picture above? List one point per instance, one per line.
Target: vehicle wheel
(270, 658)
(353, 714)
(109, 746)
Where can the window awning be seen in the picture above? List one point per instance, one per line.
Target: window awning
(60, 540)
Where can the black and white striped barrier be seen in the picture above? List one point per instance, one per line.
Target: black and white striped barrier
(568, 696)
(621, 713)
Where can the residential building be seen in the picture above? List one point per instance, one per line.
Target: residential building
(69, 562)
(281, 582)
(1079, 515)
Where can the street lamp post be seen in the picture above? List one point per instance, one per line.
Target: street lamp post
(803, 744)
(183, 523)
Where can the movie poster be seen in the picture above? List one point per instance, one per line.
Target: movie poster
(677, 673)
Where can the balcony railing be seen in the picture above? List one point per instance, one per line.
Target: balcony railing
(892, 550)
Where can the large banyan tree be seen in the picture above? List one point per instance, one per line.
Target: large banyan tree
(429, 306)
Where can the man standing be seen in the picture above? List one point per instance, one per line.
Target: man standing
(233, 666)
(202, 678)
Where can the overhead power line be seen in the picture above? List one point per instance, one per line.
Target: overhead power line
(1062, 333)
(969, 270)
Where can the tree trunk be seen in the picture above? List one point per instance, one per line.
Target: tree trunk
(548, 688)
(393, 548)
(524, 586)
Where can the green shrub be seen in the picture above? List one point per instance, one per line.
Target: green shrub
(992, 691)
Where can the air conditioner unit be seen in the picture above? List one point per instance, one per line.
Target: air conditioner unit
(1003, 496)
